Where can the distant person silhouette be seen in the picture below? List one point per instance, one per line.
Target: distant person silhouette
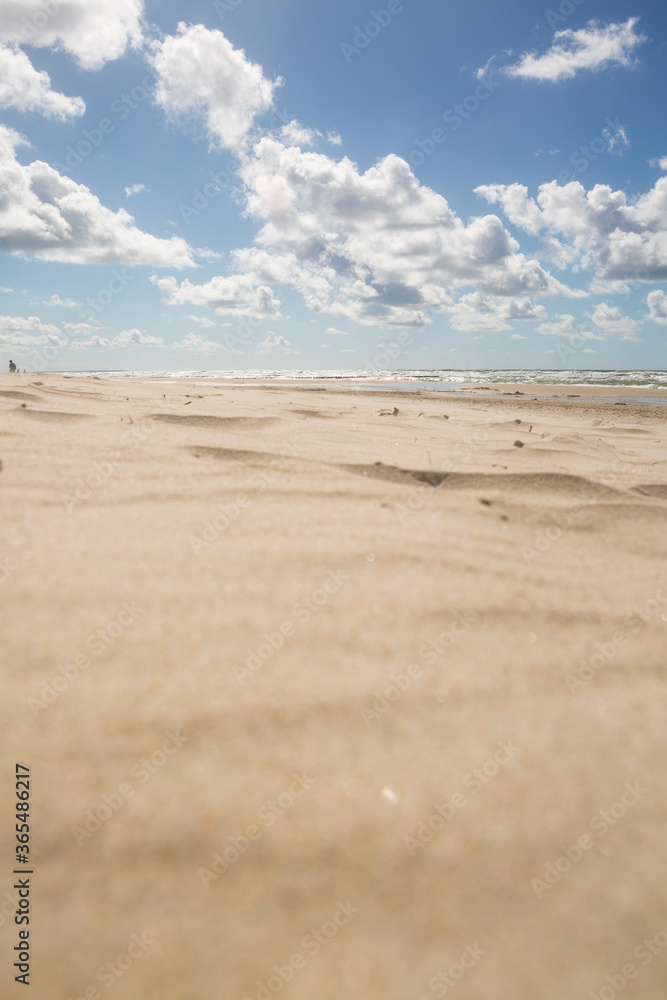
(12, 366)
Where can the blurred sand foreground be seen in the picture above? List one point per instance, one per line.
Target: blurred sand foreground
(323, 700)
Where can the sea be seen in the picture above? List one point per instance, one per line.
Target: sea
(444, 379)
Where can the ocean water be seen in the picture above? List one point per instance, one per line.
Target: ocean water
(436, 378)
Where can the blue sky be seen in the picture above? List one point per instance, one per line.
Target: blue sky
(249, 184)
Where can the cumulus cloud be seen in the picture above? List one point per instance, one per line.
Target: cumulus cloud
(22, 333)
(236, 295)
(331, 331)
(55, 300)
(201, 320)
(609, 321)
(566, 327)
(275, 342)
(620, 239)
(657, 307)
(54, 218)
(378, 248)
(591, 49)
(26, 89)
(294, 134)
(478, 312)
(195, 342)
(136, 338)
(128, 338)
(204, 79)
(134, 189)
(93, 32)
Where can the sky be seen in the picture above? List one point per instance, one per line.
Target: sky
(282, 184)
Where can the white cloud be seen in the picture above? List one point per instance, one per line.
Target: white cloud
(480, 74)
(128, 338)
(619, 238)
(26, 89)
(377, 248)
(276, 342)
(203, 78)
(55, 300)
(660, 162)
(334, 138)
(333, 332)
(237, 295)
(134, 189)
(591, 49)
(136, 338)
(22, 333)
(195, 342)
(54, 218)
(566, 327)
(609, 321)
(294, 134)
(202, 321)
(478, 312)
(657, 306)
(616, 136)
(93, 32)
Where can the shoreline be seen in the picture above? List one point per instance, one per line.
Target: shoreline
(602, 392)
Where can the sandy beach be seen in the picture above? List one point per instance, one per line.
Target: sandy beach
(335, 694)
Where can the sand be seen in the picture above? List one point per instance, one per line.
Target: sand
(334, 694)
